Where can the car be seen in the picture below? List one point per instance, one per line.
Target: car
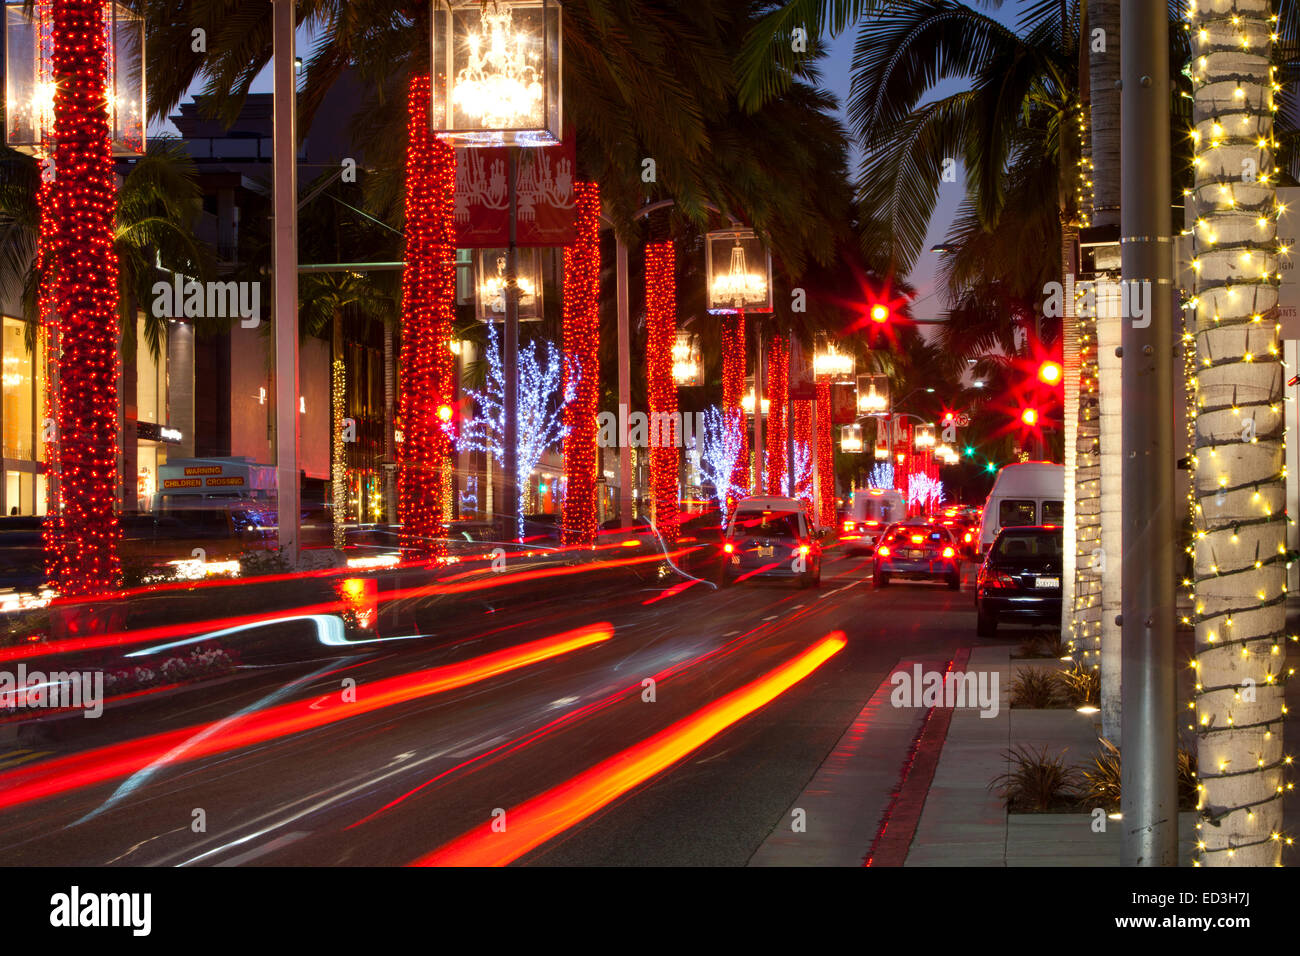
(871, 511)
(1020, 579)
(771, 537)
(919, 550)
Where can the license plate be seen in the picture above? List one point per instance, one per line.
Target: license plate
(915, 554)
(766, 552)
(1047, 582)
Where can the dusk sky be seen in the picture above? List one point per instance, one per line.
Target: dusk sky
(929, 303)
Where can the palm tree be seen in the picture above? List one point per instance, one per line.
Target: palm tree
(325, 299)
(1239, 479)
(157, 206)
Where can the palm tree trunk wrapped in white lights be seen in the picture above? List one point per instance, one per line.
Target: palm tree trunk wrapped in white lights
(1240, 486)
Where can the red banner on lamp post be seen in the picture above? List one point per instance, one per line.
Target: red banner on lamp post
(546, 213)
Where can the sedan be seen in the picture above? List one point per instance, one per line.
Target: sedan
(923, 551)
(1020, 579)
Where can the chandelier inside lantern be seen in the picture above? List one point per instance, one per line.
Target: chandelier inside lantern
(686, 360)
(831, 362)
(493, 289)
(501, 85)
(739, 286)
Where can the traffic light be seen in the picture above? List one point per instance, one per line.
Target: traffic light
(1050, 373)
(880, 313)
(447, 420)
(1029, 416)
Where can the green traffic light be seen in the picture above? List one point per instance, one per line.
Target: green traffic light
(969, 451)
(990, 467)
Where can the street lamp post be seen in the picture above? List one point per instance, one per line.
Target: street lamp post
(1149, 792)
(285, 202)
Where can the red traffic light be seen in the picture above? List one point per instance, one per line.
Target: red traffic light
(1050, 373)
(444, 413)
(1029, 416)
(880, 313)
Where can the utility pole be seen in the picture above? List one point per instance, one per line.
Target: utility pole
(1149, 796)
(510, 363)
(624, 386)
(284, 146)
(758, 411)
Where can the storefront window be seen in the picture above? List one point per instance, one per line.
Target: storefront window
(19, 390)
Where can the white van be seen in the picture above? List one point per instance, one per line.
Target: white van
(873, 510)
(1025, 493)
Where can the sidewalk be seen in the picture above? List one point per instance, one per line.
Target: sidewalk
(911, 786)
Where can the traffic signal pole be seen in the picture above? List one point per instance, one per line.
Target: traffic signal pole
(1149, 797)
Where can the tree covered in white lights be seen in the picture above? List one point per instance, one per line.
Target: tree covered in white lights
(541, 418)
(721, 445)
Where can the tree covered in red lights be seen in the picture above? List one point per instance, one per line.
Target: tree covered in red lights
(581, 331)
(82, 546)
(428, 310)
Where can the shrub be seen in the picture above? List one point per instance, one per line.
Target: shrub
(1102, 782)
(1081, 686)
(1037, 783)
(1036, 687)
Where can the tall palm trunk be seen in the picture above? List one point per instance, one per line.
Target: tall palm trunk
(338, 467)
(390, 444)
(1239, 482)
(1097, 490)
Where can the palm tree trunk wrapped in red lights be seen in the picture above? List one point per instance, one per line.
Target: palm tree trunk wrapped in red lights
(661, 333)
(778, 391)
(582, 359)
(428, 308)
(733, 392)
(83, 550)
(825, 457)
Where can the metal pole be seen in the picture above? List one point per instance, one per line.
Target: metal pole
(1149, 800)
(510, 364)
(285, 189)
(624, 390)
(758, 411)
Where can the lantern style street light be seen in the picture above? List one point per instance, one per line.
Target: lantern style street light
(851, 439)
(830, 363)
(924, 437)
(747, 402)
(739, 268)
(496, 72)
(686, 360)
(29, 77)
(882, 449)
(491, 278)
(873, 395)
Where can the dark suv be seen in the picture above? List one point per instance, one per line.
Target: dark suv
(1020, 579)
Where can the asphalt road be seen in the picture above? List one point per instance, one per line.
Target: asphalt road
(563, 749)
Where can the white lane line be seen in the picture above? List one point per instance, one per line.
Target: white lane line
(772, 618)
(838, 590)
(731, 634)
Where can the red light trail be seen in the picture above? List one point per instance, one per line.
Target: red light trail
(551, 813)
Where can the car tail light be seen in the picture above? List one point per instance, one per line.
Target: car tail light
(998, 579)
(848, 525)
(968, 537)
(729, 547)
(873, 524)
(948, 552)
(883, 551)
(803, 549)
